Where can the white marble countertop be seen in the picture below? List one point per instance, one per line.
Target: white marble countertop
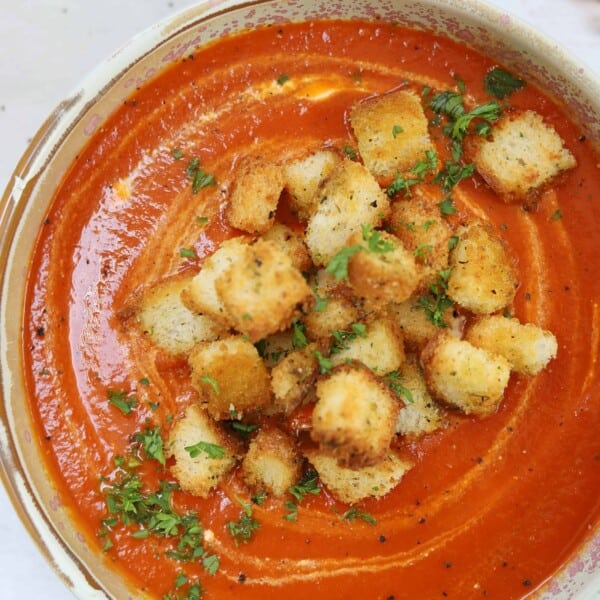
(47, 46)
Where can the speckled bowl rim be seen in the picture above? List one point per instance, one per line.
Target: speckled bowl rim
(513, 43)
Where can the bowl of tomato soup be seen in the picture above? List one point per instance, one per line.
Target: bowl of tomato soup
(140, 472)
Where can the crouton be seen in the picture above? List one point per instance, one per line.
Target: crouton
(292, 243)
(414, 324)
(527, 347)
(354, 418)
(353, 485)
(387, 274)
(331, 314)
(200, 294)
(272, 462)
(293, 379)
(420, 414)
(199, 470)
(263, 292)
(170, 325)
(483, 278)
(392, 132)
(276, 347)
(464, 376)
(303, 177)
(230, 376)
(523, 156)
(418, 224)
(348, 199)
(379, 346)
(255, 195)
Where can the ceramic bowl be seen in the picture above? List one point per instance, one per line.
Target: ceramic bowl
(77, 118)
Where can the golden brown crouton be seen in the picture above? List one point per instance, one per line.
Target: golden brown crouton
(353, 485)
(200, 294)
(348, 199)
(354, 418)
(416, 327)
(527, 347)
(292, 243)
(263, 292)
(422, 230)
(420, 414)
(272, 462)
(169, 323)
(389, 274)
(293, 379)
(230, 376)
(523, 156)
(392, 132)
(255, 195)
(378, 345)
(483, 279)
(330, 314)
(464, 376)
(303, 177)
(203, 452)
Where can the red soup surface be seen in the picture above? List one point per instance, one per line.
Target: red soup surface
(492, 507)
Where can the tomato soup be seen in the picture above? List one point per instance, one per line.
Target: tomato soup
(492, 507)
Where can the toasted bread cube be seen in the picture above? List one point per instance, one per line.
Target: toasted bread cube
(255, 195)
(263, 292)
(292, 243)
(200, 473)
(383, 277)
(272, 462)
(354, 419)
(392, 132)
(169, 323)
(523, 156)
(420, 414)
(353, 485)
(417, 329)
(418, 224)
(230, 376)
(527, 347)
(200, 294)
(334, 313)
(483, 278)
(380, 348)
(464, 376)
(293, 379)
(348, 199)
(304, 176)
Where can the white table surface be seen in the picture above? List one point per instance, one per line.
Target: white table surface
(47, 46)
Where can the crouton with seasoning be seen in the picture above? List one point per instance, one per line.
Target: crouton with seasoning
(255, 195)
(200, 293)
(522, 157)
(230, 376)
(291, 242)
(293, 379)
(483, 278)
(272, 463)
(354, 418)
(420, 413)
(413, 322)
(385, 271)
(262, 291)
(527, 347)
(330, 314)
(304, 176)
(392, 132)
(348, 199)
(204, 453)
(163, 316)
(377, 344)
(353, 485)
(470, 378)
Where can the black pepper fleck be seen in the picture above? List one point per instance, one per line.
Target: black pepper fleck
(40, 332)
(526, 582)
(242, 578)
(382, 538)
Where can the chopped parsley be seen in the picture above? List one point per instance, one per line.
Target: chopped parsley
(187, 253)
(453, 173)
(393, 381)
(556, 215)
(417, 174)
(243, 530)
(123, 402)
(299, 339)
(211, 450)
(152, 443)
(198, 176)
(306, 485)
(341, 337)
(447, 207)
(354, 513)
(325, 365)
(500, 83)
(177, 154)
(282, 79)
(350, 152)
(436, 303)
(212, 382)
(396, 131)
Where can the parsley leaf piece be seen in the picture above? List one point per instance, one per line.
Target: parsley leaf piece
(375, 243)
(212, 382)
(198, 176)
(393, 381)
(177, 154)
(396, 131)
(417, 173)
(354, 513)
(152, 443)
(453, 173)
(447, 207)
(187, 253)
(292, 507)
(243, 529)
(211, 563)
(338, 265)
(350, 152)
(299, 339)
(282, 79)
(121, 401)
(500, 83)
(243, 428)
(556, 215)
(437, 302)
(321, 303)
(211, 450)
(341, 337)
(306, 485)
(325, 365)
